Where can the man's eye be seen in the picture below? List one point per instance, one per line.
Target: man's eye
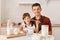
(38, 9)
(34, 9)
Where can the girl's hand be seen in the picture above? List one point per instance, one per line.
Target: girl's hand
(25, 31)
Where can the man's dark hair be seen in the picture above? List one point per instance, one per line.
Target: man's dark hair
(36, 4)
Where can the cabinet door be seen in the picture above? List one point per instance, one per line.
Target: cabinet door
(56, 33)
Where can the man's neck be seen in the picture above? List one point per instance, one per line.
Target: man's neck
(38, 16)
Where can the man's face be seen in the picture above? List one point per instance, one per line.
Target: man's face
(36, 10)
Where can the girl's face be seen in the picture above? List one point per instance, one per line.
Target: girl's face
(27, 19)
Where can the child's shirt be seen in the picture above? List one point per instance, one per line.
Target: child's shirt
(28, 29)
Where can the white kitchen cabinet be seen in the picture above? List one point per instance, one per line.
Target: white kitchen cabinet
(3, 31)
(56, 33)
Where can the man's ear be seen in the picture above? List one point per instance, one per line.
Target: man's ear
(41, 9)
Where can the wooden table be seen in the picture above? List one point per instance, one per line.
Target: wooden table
(21, 37)
(12, 35)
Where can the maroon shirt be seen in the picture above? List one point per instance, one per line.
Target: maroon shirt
(44, 21)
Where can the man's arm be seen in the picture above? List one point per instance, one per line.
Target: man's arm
(50, 27)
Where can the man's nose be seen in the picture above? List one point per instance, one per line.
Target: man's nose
(36, 10)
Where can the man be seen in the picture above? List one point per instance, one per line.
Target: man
(39, 19)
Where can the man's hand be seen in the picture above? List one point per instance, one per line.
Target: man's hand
(50, 33)
(40, 32)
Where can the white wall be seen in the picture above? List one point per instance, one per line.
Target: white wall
(0, 12)
(53, 11)
(14, 9)
(3, 10)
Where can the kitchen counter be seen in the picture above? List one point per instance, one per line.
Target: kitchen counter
(12, 35)
(24, 37)
(56, 25)
(53, 25)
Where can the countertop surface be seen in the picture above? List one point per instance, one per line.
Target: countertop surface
(53, 25)
(26, 37)
(13, 35)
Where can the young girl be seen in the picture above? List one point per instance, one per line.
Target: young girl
(28, 27)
